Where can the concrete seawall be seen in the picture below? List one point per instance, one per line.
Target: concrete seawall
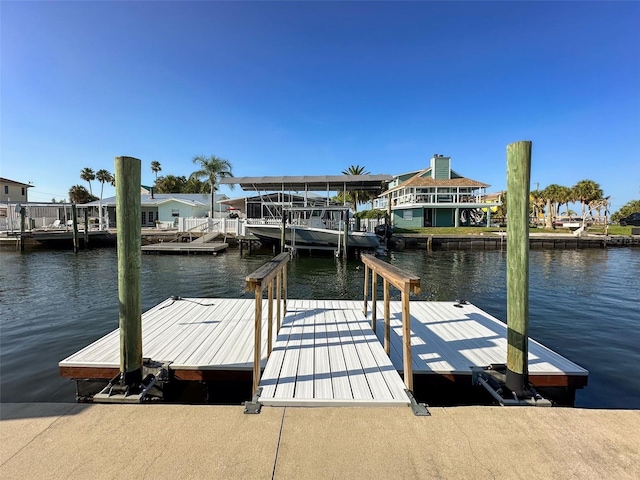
(51, 441)
(496, 242)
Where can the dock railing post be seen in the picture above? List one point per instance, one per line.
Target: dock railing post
(270, 317)
(406, 339)
(387, 316)
(256, 282)
(374, 299)
(366, 292)
(518, 178)
(257, 344)
(407, 284)
(129, 247)
(279, 297)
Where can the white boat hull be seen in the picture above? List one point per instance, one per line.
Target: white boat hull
(313, 237)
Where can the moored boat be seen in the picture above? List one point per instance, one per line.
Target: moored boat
(317, 227)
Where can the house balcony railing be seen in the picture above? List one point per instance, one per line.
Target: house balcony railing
(430, 199)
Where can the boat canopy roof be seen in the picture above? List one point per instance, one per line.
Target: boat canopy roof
(315, 183)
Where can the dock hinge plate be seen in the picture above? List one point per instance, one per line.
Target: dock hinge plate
(419, 409)
(254, 406)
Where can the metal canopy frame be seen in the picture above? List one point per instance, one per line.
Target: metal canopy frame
(318, 183)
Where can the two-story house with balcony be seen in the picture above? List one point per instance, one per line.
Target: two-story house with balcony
(436, 196)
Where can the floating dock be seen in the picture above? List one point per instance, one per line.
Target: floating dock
(325, 353)
(212, 248)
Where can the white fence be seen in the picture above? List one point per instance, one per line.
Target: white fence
(209, 225)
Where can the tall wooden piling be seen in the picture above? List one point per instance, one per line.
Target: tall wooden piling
(518, 177)
(74, 216)
(129, 243)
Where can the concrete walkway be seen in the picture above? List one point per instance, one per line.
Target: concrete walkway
(50, 441)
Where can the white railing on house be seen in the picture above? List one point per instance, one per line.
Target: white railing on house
(429, 199)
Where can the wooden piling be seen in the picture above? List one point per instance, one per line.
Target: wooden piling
(283, 236)
(86, 228)
(74, 216)
(518, 178)
(129, 247)
(22, 219)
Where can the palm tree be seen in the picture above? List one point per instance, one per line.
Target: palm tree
(537, 203)
(551, 195)
(80, 194)
(586, 191)
(212, 168)
(87, 175)
(171, 184)
(357, 196)
(155, 168)
(103, 176)
(564, 197)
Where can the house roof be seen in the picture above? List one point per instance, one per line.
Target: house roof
(317, 183)
(13, 182)
(201, 199)
(421, 179)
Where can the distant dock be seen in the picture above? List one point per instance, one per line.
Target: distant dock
(211, 248)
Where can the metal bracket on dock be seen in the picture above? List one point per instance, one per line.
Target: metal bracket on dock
(492, 378)
(254, 405)
(419, 409)
(116, 392)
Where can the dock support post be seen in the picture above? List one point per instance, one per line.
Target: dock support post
(345, 243)
(283, 236)
(86, 228)
(74, 214)
(518, 178)
(129, 246)
(22, 220)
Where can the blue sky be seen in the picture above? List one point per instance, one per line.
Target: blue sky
(304, 88)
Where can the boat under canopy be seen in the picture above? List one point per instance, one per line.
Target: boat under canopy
(314, 227)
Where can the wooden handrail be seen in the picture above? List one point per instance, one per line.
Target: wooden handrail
(407, 284)
(257, 281)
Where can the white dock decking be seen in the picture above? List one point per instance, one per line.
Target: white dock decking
(449, 340)
(191, 333)
(325, 352)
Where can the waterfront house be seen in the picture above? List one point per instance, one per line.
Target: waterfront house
(12, 191)
(165, 208)
(436, 196)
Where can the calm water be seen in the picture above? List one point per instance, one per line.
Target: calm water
(583, 304)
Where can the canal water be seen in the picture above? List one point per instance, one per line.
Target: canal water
(584, 304)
